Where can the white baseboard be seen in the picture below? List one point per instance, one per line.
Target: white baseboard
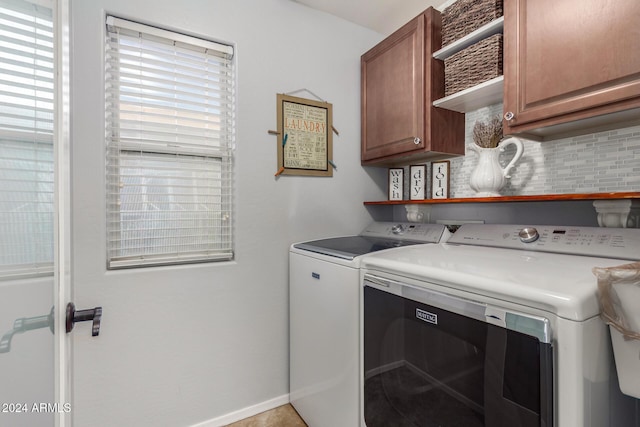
(247, 412)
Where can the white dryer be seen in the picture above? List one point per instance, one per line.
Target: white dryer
(498, 327)
(324, 285)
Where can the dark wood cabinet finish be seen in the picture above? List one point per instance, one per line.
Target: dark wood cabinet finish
(568, 61)
(399, 81)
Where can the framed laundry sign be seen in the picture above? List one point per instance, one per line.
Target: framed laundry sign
(396, 183)
(440, 179)
(417, 182)
(305, 143)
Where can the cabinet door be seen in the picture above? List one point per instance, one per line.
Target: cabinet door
(567, 60)
(393, 95)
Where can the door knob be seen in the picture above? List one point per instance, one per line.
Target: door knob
(73, 316)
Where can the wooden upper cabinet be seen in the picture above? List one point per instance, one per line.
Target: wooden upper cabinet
(570, 65)
(400, 79)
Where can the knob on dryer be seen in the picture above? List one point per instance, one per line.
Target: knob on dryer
(397, 229)
(528, 235)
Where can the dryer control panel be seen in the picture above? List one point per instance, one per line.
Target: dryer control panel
(622, 243)
(417, 232)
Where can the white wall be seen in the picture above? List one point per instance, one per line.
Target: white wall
(182, 345)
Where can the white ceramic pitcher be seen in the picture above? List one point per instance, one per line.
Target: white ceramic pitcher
(489, 177)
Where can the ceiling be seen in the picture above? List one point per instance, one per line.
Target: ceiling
(382, 16)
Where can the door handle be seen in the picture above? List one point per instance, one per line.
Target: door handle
(73, 316)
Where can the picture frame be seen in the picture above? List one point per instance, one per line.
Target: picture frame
(396, 183)
(305, 130)
(417, 182)
(440, 180)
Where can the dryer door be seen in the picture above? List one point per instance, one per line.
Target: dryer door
(432, 359)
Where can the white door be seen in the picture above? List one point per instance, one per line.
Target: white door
(156, 360)
(35, 215)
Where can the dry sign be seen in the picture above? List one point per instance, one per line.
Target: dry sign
(418, 182)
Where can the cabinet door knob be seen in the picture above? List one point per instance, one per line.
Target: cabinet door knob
(509, 115)
(417, 140)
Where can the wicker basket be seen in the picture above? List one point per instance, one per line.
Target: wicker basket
(476, 64)
(465, 16)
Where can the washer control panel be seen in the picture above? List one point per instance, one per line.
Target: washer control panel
(417, 232)
(528, 235)
(623, 243)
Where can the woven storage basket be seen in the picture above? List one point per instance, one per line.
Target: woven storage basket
(476, 64)
(465, 16)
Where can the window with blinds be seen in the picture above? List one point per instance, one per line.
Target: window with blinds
(26, 139)
(170, 134)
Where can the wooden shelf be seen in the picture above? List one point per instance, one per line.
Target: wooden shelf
(537, 198)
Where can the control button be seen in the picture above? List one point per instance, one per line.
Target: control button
(528, 235)
(397, 229)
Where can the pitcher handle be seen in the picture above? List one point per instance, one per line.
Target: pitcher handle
(519, 150)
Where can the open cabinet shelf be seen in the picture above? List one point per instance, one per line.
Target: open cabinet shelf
(493, 27)
(482, 95)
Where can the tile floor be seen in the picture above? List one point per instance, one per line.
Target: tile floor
(282, 416)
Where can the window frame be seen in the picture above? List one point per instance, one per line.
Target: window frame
(183, 149)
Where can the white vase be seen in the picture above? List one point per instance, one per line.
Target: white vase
(489, 177)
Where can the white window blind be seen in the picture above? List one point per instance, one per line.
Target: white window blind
(170, 134)
(26, 139)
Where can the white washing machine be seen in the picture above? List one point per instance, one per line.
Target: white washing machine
(498, 327)
(324, 285)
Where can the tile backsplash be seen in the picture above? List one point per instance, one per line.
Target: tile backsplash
(599, 162)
